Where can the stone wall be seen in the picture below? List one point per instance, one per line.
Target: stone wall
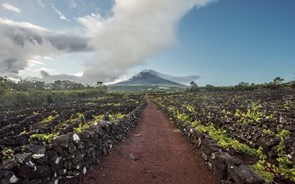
(69, 156)
(228, 168)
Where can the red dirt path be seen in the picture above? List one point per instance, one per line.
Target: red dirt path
(153, 153)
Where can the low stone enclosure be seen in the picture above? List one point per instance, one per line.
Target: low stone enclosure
(228, 168)
(69, 156)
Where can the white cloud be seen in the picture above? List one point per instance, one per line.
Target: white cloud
(25, 25)
(11, 7)
(33, 63)
(138, 29)
(22, 42)
(61, 15)
(135, 31)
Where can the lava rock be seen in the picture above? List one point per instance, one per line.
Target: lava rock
(41, 171)
(25, 170)
(8, 177)
(219, 168)
(62, 141)
(9, 165)
(244, 175)
(267, 142)
(77, 157)
(23, 158)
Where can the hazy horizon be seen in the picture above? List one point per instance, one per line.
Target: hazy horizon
(222, 41)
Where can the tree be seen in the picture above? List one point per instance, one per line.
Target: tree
(210, 87)
(292, 84)
(193, 87)
(278, 80)
(99, 84)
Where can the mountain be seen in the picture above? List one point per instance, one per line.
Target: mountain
(148, 79)
(178, 79)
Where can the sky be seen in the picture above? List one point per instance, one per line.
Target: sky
(220, 42)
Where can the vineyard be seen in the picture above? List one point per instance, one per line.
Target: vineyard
(63, 141)
(256, 127)
(237, 133)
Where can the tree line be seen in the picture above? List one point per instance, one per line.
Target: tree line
(8, 85)
(276, 83)
(25, 93)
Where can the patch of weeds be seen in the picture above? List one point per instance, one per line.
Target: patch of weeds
(7, 153)
(43, 137)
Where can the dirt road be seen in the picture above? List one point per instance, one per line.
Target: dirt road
(153, 153)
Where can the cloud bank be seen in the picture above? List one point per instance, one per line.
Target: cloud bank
(22, 41)
(135, 31)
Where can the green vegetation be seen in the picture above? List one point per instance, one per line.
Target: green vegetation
(193, 87)
(7, 153)
(46, 138)
(265, 170)
(253, 114)
(276, 83)
(37, 93)
(113, 117)
(97, 119)
(48, 119)
(243, 122)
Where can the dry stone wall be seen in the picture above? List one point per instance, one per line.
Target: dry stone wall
(69, 156)
(228, 168)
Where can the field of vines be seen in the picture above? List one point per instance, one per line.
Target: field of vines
(27, 133)
(257, 127)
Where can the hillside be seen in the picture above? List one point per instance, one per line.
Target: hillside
(146, 80)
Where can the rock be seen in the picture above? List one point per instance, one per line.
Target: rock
(205, 157)
(41, 172)
(72, 148)
(267, 142)
(13, 179)
(37, 149)
(219, 168)
(23, 158)
(76, 138)
(62, 172)
(62, 141)
(38, 156)
(84, 136)
(77, 157)
(132, 157)
(60, 151)
(25, 170)
(89, 159)
(233, 162)
(92, 134)
(244, 175)
(80, 145)
(210, 148)
(8, 177)
(95, 128)
(9, 165)
(54, 160)
(84, 170)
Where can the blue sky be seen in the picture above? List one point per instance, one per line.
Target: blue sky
(234, 40)
(224, 42)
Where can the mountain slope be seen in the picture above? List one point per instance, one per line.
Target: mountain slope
(149, 78)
